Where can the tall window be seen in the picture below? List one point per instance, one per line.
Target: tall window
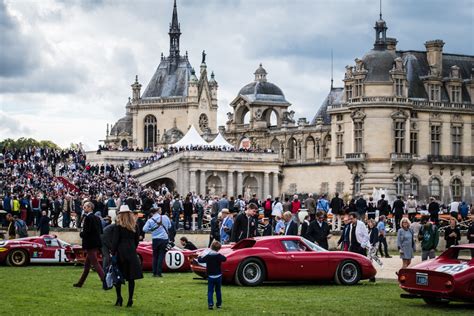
(399, 185)
(434, 92)
(414, 186)
(435, 140)
(340, 145)
(456, 134)
(358, 88)
(456, 189)
(349, 92)
(456, 94)
(414, 142)
(358, 136)
(435, 188)
(399, 87)
(292, 148)
(399, 136)
(150, 131)
(356, 185)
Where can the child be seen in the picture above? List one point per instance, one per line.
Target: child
(213, 260)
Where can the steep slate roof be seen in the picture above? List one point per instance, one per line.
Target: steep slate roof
(263, 91)
(122, 125)
(334, 97)
(378, 64)
(169, 81)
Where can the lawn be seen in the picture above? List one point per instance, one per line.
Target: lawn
(47, 290)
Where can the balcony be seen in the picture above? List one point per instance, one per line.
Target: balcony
(401, 157)
(450, 159)
(355, 157)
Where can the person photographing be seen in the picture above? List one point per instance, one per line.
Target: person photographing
(158, 225)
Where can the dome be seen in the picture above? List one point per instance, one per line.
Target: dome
(257, 87)
(122, 125)
(378, 64)
(260, 71)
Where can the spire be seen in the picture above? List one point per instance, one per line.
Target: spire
(174, 33)
(380, 14)
(260, 74)
(380, 32)
(332, 67)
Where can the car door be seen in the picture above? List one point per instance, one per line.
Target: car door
(307, 263)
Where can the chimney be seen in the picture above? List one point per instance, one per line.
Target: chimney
(391, 44)
(434, 54)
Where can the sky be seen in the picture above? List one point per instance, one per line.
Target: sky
(66, 66)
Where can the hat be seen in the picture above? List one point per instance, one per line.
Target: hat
(225, 210)
(124, 209)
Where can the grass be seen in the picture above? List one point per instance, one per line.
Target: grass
(47, 290)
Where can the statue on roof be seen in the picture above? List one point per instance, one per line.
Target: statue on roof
(203, 57)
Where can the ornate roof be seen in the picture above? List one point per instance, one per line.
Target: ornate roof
(378, 64)
(334, 97)
(124, 125)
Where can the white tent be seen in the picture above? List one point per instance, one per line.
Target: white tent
(220, 141)
(192, 138)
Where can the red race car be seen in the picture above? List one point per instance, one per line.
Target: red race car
(176, 259)
(39, 249)
(450, 277)
(287, 258)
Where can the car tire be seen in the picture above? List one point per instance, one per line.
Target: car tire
(348, 273)
(435, 301)
(18, 258)
(251, 272)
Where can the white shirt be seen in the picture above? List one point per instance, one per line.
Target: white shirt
(277, 209)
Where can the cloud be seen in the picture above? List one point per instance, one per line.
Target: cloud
(12, 126)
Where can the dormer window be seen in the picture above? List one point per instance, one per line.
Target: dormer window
(456, 94)
(358, 88)
(399, 87)
(434, 92)
(348, 92)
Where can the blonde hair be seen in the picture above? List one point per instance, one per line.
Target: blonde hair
(453, 219)
(127, 220)
(405, 220)
(287, 215)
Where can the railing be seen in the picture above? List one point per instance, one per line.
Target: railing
(451, 159)
(243, 125)
(403, 100)
(355, 157)
(401, 157)
(443, 105)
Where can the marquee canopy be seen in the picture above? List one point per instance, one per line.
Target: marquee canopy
(192, 138)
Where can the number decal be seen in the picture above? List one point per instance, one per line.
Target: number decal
(174, 259)
(60, 255)
(452, 268)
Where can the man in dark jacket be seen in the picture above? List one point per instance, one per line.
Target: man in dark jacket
(337, 209)
(43, 224)
(319, 231)
(91, 243)
(245, 225)
(398, 211)
(291, 227)
(470, 234)
(433, 209)
(361, 207)
(382, 206)
(215, 231)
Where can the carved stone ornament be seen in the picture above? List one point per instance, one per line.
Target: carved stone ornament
(230, 116)
(358, 115)
(258, 114)
(457, 118)
(203, 122)
(399, 115)
(348, 72)
(398, 64)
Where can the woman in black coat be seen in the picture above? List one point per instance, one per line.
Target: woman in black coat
(125, 240)
(43, 225)
(188, 212)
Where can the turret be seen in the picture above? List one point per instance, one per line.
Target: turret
(136, 87)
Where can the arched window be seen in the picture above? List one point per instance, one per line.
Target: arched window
(399, 185)
(124, 143)
(414, 185)
(456, 189)
(435, 188)
(292, 148)
(275, 145)
(356, 185)
(150, 131)
(310, 148)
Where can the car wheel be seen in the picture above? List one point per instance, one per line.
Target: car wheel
(251, 272)
(348, 273)
(17, 258)
(435, 301)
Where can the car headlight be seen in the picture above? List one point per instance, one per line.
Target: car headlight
(3, 249)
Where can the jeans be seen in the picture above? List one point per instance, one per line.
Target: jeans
(78, 220)
(66, 219)
(425, 254)
(91, 260)
(199, 219)
(159, 251)
(37, 215)
(214, 283)
(187, 224)
(176, 220)
(383, 241)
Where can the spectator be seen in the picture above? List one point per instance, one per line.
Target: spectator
(371, 209)
(277, 208)
(337, 209)
(323, 204)
(454, 209)
(295, 208)
(267, 227)
(20, 227)
(319, 230)
(405, 242)
(452, 234)
(381, 227)
(226, 227)
(344, 240)
(470, 233)
(382, 206)
(186, 244)
(291, 227)
(267, 208)
(429, 237)
(188, 212)
(358, 235)
(245, 225)
(464, 210)
(361, 206)
(411, 207)
(310, 205)
(11, 226)
(43, 224)
(305, 226)
(215, 232)
(398, 211)
(279, 226)
(433, 209)
(223, 203)
(199, 206)
(177, 208)
(287, 205)
(213, 261)
(373, 233)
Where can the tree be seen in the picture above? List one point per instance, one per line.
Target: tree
(23, 143)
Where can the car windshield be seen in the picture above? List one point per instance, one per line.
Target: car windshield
(312, 245)
(63, 243)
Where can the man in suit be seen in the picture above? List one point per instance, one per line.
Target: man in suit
(337, 208)
(358, 235)
(291, 227)
(398, 211)
(91, 243)
(245, 225)
(319, 231)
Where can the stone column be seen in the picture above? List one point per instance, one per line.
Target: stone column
(276, 191)
(192, 180)
(240, 183)
(266, 184)
(230, 183)
(202, 183)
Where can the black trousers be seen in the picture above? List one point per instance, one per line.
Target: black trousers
(383, 241)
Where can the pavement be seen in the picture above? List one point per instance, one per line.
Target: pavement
(391, 266)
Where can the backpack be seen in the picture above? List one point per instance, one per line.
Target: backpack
(268, 205)
(176, 206)
(22, 229)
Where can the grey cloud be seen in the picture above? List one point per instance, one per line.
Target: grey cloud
(17, 57)
(9, 125)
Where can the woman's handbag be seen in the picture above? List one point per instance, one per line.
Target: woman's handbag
(113, 276)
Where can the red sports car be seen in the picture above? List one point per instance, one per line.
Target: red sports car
(39, 249)
(450, 277)
(176, 259)
(287, 258)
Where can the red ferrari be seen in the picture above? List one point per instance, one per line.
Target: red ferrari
(287, 258)
(39, 249)
(450, 277)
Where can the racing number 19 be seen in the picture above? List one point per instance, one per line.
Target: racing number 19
(174, 259)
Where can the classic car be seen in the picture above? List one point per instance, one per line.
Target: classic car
(38, 249)
(287, 258)
(449, 277)
(176, 259)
